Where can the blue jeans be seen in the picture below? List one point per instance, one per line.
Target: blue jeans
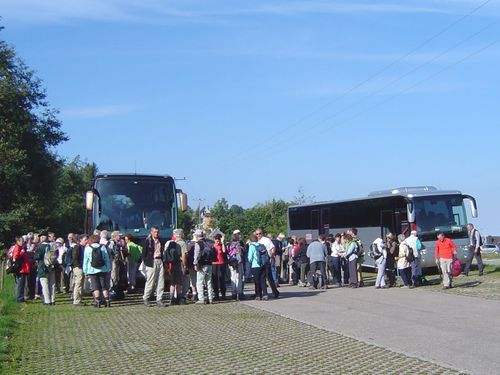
(405, 274)
(20, 284)
(274, 272)
(416, 271)
(336, 264)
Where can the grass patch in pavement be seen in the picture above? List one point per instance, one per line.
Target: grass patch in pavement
(224, 338)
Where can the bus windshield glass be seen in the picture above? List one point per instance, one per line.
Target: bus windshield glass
(440, 214)
(134, 206)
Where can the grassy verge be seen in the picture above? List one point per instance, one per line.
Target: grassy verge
(8, 310)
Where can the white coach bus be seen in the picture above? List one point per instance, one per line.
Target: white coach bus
(422, 208)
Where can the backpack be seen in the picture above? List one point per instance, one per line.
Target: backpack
(173, 252)
(68, 257)
(13, 266)
(97, 260)
(375, 253)
(262, 255)
(50, 257)
(278, 247)
(235, 254)
(410, 257)
(190, 255)
(207, 252)
(360, 251)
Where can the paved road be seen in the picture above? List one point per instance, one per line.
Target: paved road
(453, 331)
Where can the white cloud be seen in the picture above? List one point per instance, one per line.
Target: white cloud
(96, 111)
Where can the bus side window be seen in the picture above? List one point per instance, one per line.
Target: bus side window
(315, 219)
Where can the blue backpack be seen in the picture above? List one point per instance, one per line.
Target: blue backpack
(262, 255)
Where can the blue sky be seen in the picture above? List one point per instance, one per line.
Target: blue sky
(250, 100)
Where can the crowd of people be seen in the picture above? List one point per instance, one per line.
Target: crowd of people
(109, 264)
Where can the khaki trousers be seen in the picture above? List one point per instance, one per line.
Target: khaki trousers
(445, 265)
(77, 285)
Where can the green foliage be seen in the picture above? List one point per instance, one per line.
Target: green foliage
(186, 221)
(270, 216)
(72, 181)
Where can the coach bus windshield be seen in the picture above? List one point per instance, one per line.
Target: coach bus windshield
(440, 214)
(134, 206)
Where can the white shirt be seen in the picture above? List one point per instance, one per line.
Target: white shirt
(268, 244)
(61, 250)
(412, 242)
(337, 248)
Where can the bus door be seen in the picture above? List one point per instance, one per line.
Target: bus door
(325, 221)
(387, 223)
(402, 224)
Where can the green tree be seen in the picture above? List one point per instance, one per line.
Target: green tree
(186, 221)
(29, 130)
(73, 180)
(270, 216)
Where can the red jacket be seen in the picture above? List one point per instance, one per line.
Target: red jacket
(220, 254)
(445, 249)
(20, 252)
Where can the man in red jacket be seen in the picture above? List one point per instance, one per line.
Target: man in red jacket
(444, 254)
(19, 254)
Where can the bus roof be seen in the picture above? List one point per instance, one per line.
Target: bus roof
(130, 175)
(404, 192)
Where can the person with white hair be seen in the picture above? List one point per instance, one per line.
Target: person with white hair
(204, 255)
(416, 266)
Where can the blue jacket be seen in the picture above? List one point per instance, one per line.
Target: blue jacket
(316, 252)
(87, 259)
(252, 255)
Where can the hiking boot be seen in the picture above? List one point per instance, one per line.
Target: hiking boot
(147, 303)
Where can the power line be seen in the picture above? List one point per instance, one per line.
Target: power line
(365, 81)
(398, 79)
(394, 96)
(411, 87)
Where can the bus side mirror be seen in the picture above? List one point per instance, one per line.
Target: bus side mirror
(89, 200)
(473, 204)
(182, 199)
(410, 209)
